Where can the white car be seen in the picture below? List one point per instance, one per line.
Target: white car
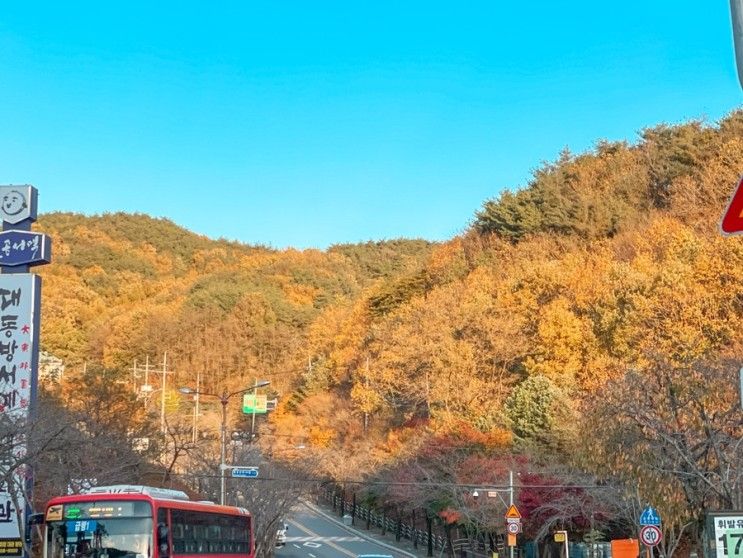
(281, 534)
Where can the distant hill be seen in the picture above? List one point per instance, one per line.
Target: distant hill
(122, 286)
(596, 194)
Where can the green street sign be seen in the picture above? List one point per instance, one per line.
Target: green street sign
(255, 404)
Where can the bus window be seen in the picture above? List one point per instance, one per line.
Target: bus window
(100, 538)
(163, 533)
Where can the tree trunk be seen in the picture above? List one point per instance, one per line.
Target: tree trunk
(429, 529)
(415, 531)
(449, 544)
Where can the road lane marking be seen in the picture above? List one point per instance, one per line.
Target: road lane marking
(329, 543)
(324, 539)
(316, 511)
(297, 546)
(313, 556)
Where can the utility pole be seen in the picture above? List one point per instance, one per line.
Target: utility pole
(146, 388)
(196, 408)
(162, 393)
(366, 385)
(255, 404)
(224, 399)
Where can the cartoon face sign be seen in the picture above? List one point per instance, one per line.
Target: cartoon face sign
(17, 203)
(13, 202)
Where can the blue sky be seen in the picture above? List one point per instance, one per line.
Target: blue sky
(308, 124)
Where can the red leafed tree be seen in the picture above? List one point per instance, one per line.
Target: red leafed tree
(577, 504)
(450, 516)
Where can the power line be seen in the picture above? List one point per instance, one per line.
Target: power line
(481, 486)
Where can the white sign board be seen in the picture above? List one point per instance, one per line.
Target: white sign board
(19, 303)
(729, 536)
(17, 203)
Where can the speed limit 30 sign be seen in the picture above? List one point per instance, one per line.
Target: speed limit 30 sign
(513, 528)
(650, 535)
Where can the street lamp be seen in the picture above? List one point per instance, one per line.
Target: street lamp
(224, 398)
(493, 492)
(736, 12)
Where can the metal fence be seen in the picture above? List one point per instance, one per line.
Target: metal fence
(471, 547)
(419, 537)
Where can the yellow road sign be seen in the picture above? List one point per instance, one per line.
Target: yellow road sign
(513, 512)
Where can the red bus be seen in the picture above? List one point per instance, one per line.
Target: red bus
(127, 521)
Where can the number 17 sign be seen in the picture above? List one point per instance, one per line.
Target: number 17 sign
(729, 536)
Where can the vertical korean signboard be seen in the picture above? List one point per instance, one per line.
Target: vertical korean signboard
(20, 294)
(19, 303)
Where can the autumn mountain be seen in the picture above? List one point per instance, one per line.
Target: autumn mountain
(502, 341)
(125, 286)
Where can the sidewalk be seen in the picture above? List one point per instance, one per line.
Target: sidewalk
(404, 546)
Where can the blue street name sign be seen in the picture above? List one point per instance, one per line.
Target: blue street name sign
(649, 516)
(245, 472)
(24, 248)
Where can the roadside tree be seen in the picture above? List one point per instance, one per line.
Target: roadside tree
(675, 431)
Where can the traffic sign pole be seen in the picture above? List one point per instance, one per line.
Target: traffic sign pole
(513, 517)
(650, 531)
(510, 501)
(562, 536)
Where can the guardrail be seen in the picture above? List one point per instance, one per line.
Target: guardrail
(477, 547)
(418, 537)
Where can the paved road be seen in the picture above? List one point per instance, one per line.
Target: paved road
(311, 535)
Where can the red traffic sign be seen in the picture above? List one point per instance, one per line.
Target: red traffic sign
(732, 219)
(650, 535)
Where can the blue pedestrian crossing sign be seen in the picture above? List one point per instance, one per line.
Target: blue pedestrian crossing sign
(649, 516)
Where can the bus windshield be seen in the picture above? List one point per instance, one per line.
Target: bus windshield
(101, 530)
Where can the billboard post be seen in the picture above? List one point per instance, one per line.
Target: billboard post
(20, 304)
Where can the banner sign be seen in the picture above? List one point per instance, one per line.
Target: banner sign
(19, 331)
